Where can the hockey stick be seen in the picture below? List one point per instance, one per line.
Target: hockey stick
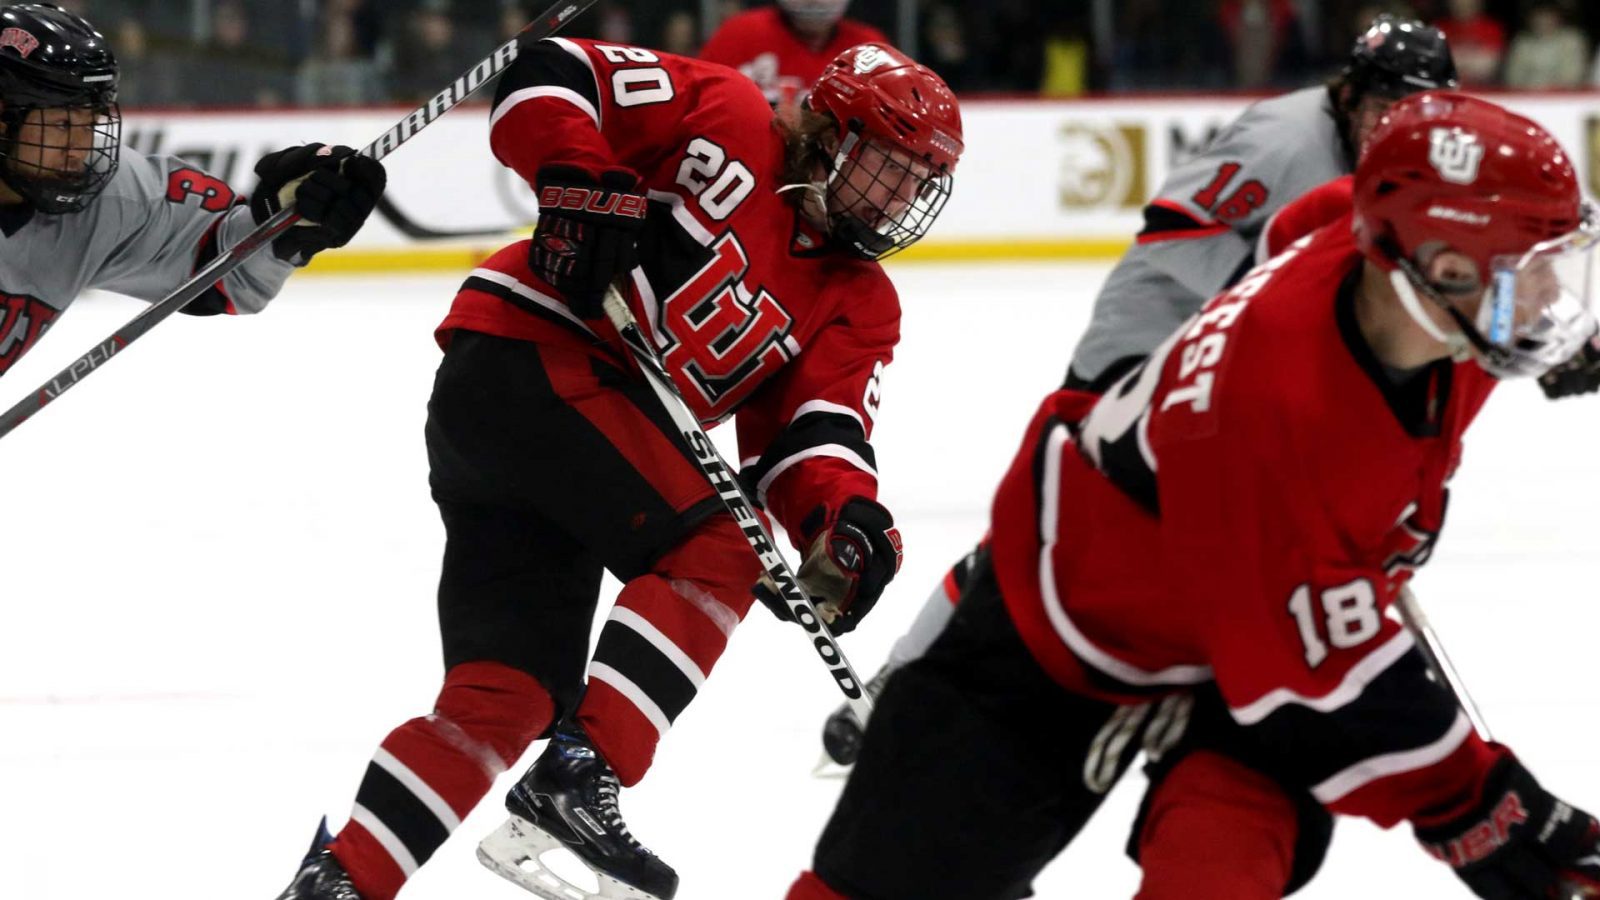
(1439, 661)
(724, 480)
(404, 130)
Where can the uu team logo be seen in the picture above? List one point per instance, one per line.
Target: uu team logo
(1455, 154)
(1101, 165)
(19, 40)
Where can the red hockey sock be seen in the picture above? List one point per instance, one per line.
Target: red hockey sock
(666, 631)
(809, 887)
(431, 771)
(1217, 830)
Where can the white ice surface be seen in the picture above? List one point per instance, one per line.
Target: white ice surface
(217, 576)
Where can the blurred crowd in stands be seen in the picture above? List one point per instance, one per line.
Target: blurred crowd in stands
(208, 53)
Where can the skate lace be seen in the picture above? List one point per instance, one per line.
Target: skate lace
(607, 792)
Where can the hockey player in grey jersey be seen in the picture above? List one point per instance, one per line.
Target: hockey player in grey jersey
(1200, 233)
(75, 213)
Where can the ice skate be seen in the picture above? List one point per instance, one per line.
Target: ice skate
(842, 732)
(321, 877)
(568, 800)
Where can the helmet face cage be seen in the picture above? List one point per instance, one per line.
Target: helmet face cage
(881, 199)
(814, 12)
(60, 157)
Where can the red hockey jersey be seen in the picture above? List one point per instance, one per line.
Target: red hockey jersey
(1244, 507)
(767, 51)
(750, 310)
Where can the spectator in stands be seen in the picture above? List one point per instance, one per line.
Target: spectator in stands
(946, 48)
(1265, 40)
(1548, 53)
(232, 69)
(1478, 41)
(678, 33)
(784, 48)
(426, 55)
(338, 72)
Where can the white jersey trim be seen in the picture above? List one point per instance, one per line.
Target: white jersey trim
(836, 451)
(543, 300)
(1369, 770)
(1049, 508)
(599, 671)
(824, 406)
(663, 644)
(423, 791)
(387, 839)
(685, 218)
(1355, 682)
(546, 90)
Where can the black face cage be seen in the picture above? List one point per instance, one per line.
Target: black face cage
(896, 208)
(85, 154)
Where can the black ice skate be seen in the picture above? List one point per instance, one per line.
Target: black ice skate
(842, 732)
(320, 876)
(569, 799)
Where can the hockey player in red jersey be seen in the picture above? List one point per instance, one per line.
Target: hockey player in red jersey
(783, 48)
(748, 252)
(1208, 524)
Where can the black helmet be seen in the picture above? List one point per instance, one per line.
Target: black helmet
(1396, 57)
(51, 59)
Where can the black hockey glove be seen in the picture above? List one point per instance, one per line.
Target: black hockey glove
(852, 558)
(1578, 375)
(1521, 843)
(586, 233)
(333, 189)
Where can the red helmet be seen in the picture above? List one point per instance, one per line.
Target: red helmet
(895, 100)
(1443, 170)
(882, 99)
(1446, 167)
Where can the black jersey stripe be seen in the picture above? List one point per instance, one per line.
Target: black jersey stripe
(807, 433)
(544, 63)
(402, 812)
(636, 658)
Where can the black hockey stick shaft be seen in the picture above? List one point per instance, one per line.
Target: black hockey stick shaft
(726, 483)
(404, 130)
(1439, 661)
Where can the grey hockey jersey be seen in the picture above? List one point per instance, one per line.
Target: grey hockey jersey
(1201, 228)
(157, 222)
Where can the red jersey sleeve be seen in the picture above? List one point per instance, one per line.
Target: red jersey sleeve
(1298, 633)
(732, 42)
(804, 436)
(1317, 207)
(590, 104)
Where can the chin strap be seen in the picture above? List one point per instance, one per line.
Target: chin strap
(1405, 281)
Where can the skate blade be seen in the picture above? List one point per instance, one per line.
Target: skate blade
(829, 770)
(514, 851)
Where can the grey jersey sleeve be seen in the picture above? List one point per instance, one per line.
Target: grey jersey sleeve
(165, 219)
(1203, 224)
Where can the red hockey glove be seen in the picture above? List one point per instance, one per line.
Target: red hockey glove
(852, 557)
(1578, 375)
(586, 233)
(334, 189)
(1520, 843)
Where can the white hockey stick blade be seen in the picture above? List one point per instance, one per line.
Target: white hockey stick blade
(827, 769)
(515, 851)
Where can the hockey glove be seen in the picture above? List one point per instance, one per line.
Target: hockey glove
(1521, 843)
(333, 189)
(1578, 375)
(852, 557)
(586, 232)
